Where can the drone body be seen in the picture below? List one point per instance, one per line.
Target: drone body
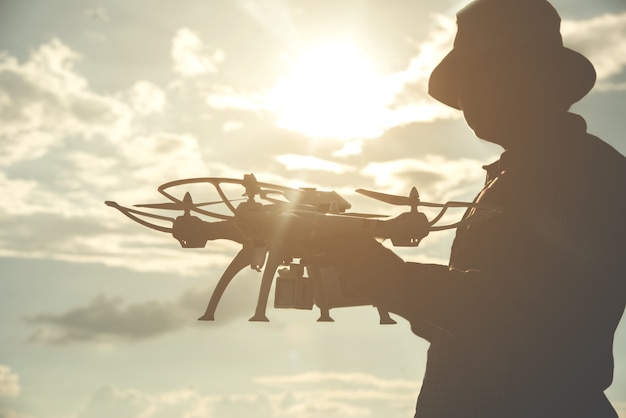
(275, 236)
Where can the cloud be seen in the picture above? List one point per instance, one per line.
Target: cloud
(110, 401)
(232, 126)
(335, 394)
(109, 320)
(188, 55)
(330, 378)
(225, 98)
(9, 383)
(308, 162)
(349, 148)
(156, 157)
(99, 235)
(97, 13)
(44, 102)
(310, 395)
(603, 40)
(146, 98)
(274, 17)
(412, 102)
(12, 413)
(66, 149)
(328, 99)
(106, 318)
(441, 179)
(333, 93)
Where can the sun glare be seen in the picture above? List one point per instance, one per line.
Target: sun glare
(333, 92)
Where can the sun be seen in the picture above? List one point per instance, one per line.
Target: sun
(332, 92)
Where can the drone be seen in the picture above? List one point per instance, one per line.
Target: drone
(273, 224)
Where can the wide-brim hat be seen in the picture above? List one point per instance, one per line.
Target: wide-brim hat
(488, 28)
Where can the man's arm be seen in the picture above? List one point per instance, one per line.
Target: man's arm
(461, 302)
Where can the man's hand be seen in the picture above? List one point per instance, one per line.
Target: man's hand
(368, 268)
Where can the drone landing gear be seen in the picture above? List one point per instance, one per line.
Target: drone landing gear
(293, 290)
(385, 319)
(274, 260)
(325, 316)
(241, 260)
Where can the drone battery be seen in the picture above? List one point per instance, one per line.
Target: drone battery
(293, 290)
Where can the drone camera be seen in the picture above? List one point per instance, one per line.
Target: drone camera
(293, 289)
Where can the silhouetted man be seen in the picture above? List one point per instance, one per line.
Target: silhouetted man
(521, 322)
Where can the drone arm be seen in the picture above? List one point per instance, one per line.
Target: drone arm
(130, 213)
(193, 232)
(476, 212)
(405, 230)
(222, 230)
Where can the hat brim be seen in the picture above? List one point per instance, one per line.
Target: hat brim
(576, 79)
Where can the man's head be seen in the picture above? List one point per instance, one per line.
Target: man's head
(509, 63)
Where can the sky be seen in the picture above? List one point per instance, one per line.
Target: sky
(108, 100)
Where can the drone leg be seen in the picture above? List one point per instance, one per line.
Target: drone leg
(320, 295)
(274, 260)
(241, 260)
(325, 315)
(385, 319)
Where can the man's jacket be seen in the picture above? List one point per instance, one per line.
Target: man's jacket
(521, 322)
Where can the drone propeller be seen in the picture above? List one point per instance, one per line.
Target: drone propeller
(254, 188)
(412, 200)
(251, 185)
(186, 205)
(362, 215)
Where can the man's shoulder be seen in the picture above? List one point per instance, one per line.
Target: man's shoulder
(597, 156)
(572, 141)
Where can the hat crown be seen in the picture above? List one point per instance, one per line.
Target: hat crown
(486, 25)
(495, 31)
